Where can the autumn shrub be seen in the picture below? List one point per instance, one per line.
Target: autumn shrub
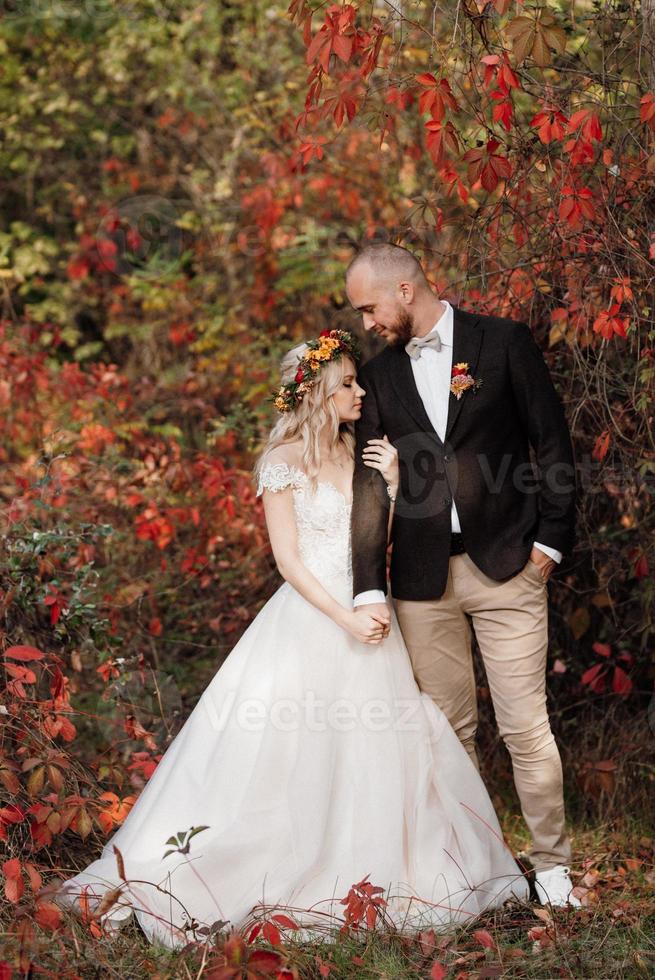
(116, 541)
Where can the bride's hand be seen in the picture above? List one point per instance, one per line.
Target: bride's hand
(364, 627)
(382, 456)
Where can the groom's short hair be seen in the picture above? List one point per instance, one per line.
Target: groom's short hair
(389, 263)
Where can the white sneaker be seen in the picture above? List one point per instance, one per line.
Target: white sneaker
(554, 887)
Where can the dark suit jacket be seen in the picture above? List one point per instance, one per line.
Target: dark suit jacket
(484, 463)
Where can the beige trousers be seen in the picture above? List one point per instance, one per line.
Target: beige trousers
(510, 620)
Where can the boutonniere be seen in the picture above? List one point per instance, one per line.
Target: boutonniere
(461, 380)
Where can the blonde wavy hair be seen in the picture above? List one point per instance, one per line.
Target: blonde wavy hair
(314, 415)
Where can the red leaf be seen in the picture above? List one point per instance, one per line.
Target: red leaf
(285, 922)
(438, 971)
(437, 97)
(503, 110)
(607, 323)
(266, 961)
(343, 47)
(441, 137)
(11, 868)
(48, 915)
(576, 205)
(641, 567)
(271, 934)
(24, 653)
(588, 120)
(647, 109)
(11, 814)
(21, 673)
(484, 938)
(541, 936)
(14, 885)
(78, 268)
(602, 649)
(336, 36)
(601, 446)
(35, 878)
(234, 949)
(621, 683)
(605, 765)
(155, 626)
(223, 973)
(323, 968)
(550, 124)
(595, 678)
(487, 165)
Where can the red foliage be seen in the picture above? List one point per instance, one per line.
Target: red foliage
(364, 904)
(596, 677)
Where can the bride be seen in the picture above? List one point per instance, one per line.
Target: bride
(312, 761)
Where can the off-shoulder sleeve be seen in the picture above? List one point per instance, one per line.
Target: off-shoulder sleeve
(278, 476)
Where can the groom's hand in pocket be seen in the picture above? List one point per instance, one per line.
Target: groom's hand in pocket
(544, 562)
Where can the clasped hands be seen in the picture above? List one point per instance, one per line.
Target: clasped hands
(374, 621)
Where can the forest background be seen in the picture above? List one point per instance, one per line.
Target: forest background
(183, 184)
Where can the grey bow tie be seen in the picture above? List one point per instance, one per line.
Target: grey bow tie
(413, 348)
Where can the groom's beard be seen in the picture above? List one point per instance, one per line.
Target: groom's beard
(403, 329)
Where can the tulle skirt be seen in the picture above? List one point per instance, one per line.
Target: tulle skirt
(313, 762)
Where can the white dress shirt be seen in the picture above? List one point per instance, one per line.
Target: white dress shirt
(432, 374)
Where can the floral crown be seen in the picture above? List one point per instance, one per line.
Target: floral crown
(328, 346)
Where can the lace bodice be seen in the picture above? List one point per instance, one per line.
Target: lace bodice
(322, 520)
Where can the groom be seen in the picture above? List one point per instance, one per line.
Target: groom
(476, 532)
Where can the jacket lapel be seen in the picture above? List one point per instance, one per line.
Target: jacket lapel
(467, 338)
(402, 378)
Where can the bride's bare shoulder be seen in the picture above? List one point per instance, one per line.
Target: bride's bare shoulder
(289, 453)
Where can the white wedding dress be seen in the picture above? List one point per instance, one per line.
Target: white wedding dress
(314, 762)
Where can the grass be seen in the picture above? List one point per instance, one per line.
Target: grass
(612, 936)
